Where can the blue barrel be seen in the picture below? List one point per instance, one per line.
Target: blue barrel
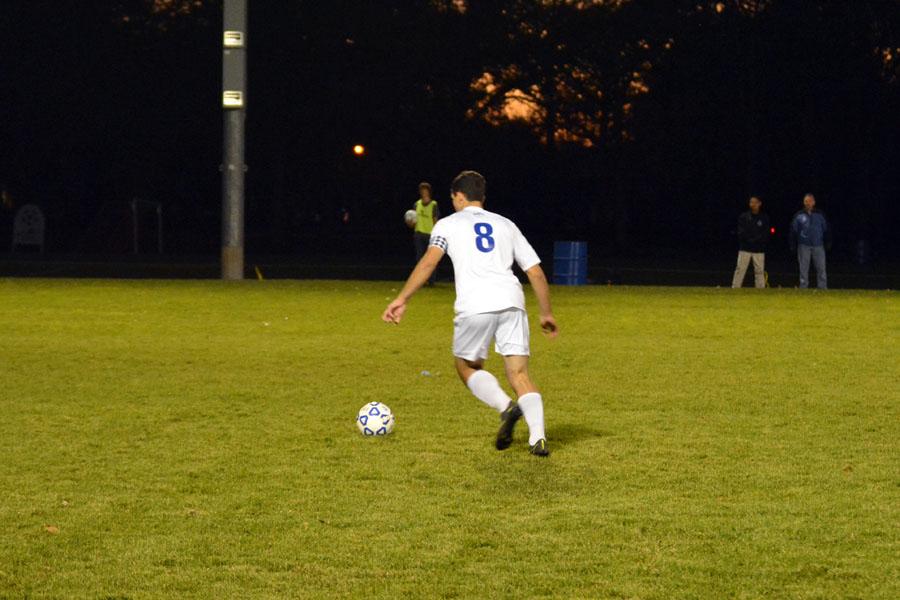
(570, 263)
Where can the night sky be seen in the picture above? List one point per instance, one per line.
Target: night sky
(642, 126)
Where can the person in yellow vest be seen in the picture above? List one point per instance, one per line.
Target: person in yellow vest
(427, 214)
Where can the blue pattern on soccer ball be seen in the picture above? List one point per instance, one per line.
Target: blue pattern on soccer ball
(375, 419)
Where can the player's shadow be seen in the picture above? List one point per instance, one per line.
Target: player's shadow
(566, 434)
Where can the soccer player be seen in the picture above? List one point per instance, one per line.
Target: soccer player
(490, 305)
(427, 214)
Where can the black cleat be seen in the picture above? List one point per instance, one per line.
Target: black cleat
(508, 420)
(540, 448)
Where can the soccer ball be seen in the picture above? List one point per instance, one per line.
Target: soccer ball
(410, 217)
(375, 418)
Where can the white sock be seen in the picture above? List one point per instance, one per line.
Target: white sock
(488, 390)
(533, 410)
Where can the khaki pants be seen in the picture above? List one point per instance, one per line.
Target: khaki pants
(759, 268)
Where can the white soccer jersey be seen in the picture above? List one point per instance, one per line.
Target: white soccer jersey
(483, 246)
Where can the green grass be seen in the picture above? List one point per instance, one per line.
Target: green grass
(196, 439)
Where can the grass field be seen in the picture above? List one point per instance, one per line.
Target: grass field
(196, 440)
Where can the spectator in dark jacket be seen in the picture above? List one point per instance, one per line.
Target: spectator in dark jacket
(810, 236)
(753, 237)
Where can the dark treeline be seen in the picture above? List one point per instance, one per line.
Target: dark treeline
(641, 125)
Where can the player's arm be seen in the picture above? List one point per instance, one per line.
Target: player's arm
(542, 290)
(528, 261)
(419, 277)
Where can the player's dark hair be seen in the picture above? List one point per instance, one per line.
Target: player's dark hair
(471, 184)
(424, 186)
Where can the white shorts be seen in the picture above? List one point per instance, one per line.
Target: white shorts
(508, 328)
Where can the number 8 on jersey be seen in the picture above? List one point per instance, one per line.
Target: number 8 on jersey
(483, 239)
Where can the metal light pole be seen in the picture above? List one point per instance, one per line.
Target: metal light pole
(234, 104)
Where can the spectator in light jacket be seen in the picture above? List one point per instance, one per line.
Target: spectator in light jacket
(810, 236)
